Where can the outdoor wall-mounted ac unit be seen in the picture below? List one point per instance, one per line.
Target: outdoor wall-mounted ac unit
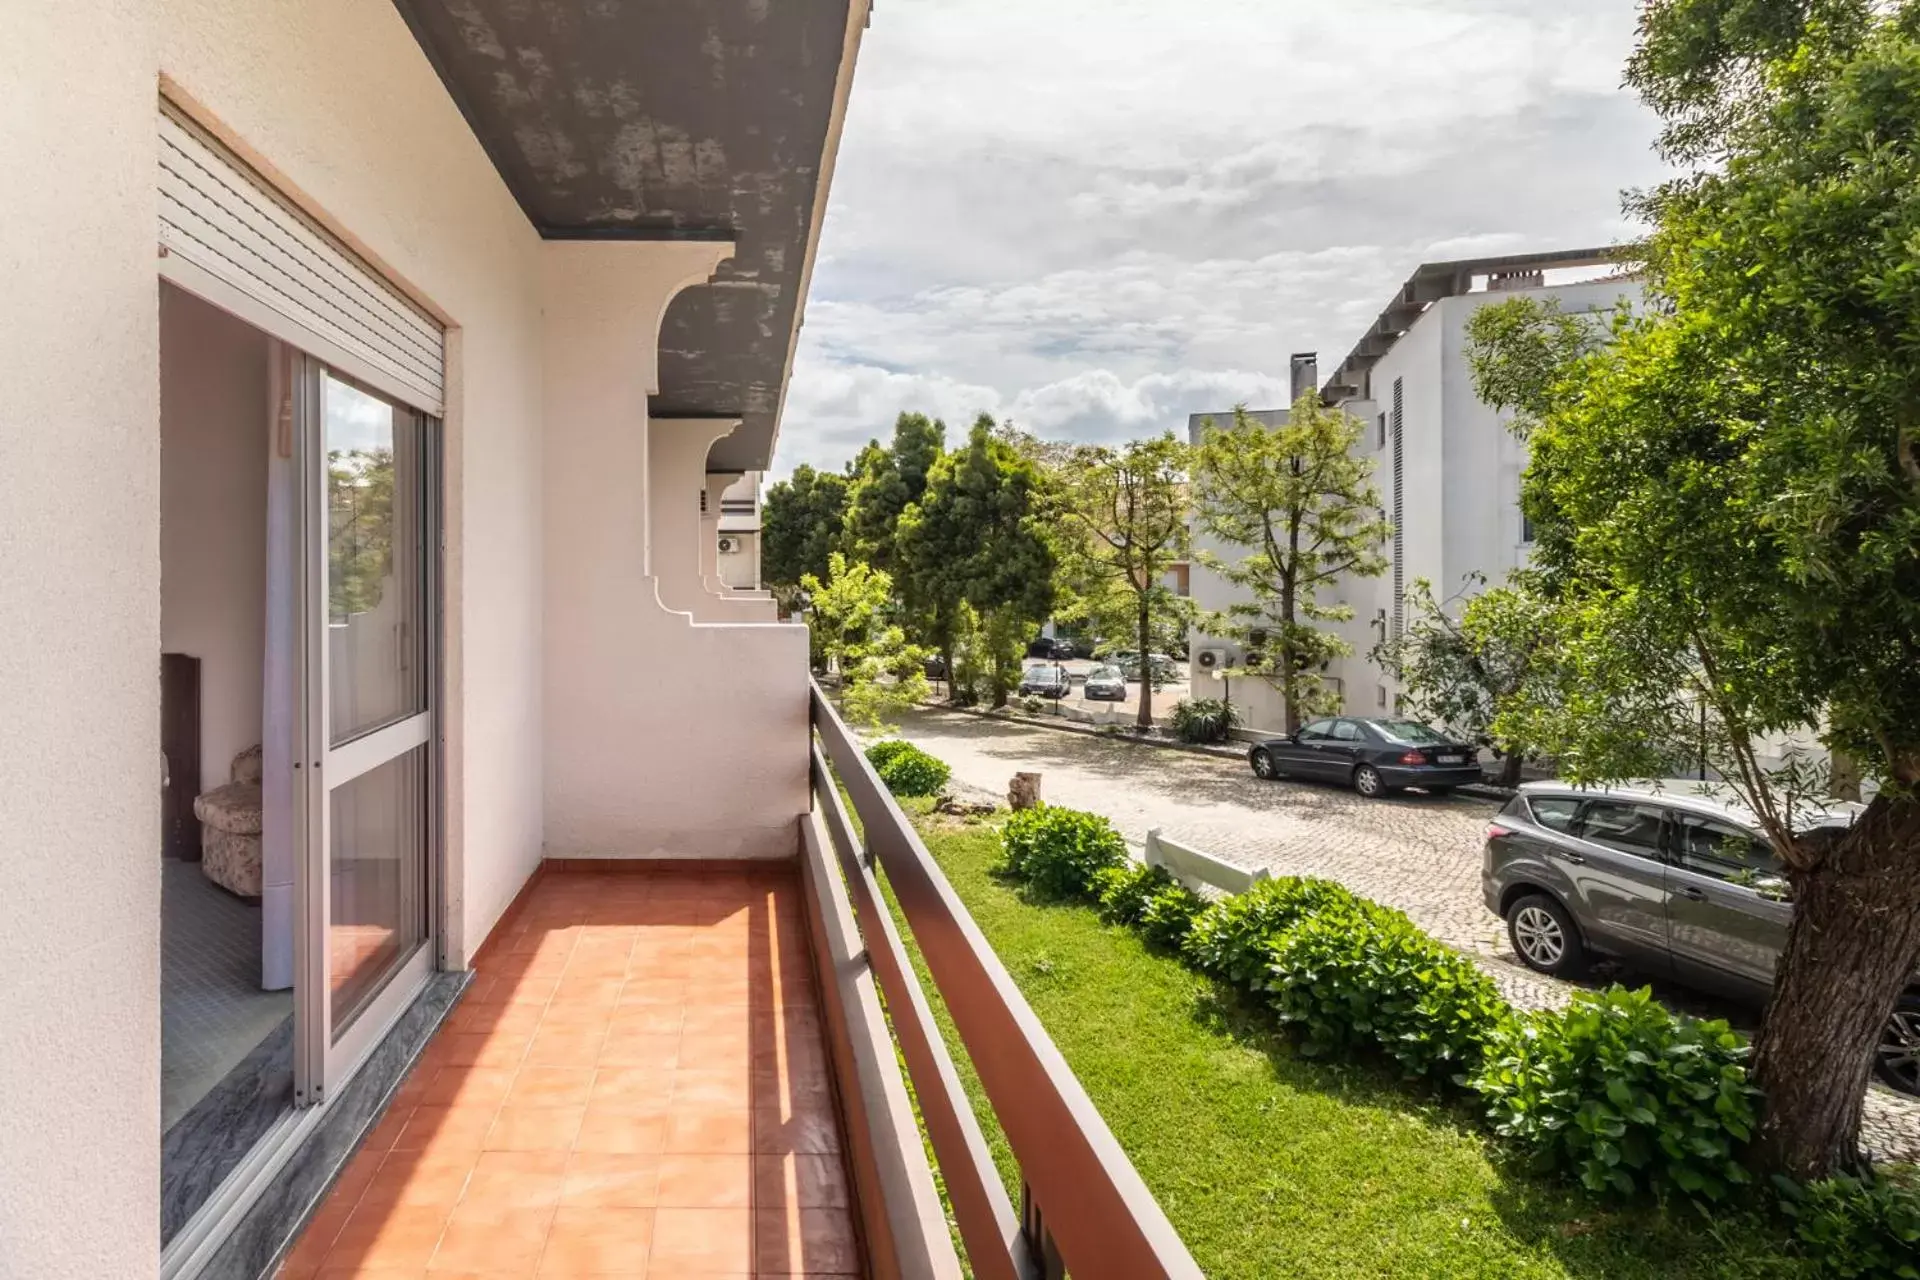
(728, 546)
(1214, 660)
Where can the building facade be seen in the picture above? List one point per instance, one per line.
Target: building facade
(1446, 465)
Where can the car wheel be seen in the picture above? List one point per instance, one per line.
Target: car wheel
(1898, 1061)
(1368, 782)
(1545, 937)
(1263, 764)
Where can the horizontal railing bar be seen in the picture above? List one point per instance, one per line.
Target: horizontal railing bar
(981, 1207)
(1099, 1212)
(900, 1203)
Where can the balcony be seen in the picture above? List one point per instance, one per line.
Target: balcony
(667, 1069)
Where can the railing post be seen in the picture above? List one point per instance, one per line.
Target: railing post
(1039, 1241)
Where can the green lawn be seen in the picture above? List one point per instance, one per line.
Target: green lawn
(1272, 1165)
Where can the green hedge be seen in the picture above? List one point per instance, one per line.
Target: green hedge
(1360, 975)
(1624, 1094)
(1230, 940)
(1057, 851)
(906, 769)
(1859, 1227)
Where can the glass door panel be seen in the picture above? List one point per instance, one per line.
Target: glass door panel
(375, 600)
(371, 611)
(376, 899)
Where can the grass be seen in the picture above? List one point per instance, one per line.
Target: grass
(1270, 1164)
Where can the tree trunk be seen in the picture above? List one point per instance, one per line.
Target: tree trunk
(1144, 720)
(1289, 664)
(946, 665)
(1510, 768)
(1850, 950)
(999, 682)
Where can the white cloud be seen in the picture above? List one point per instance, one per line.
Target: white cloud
(1096, 215)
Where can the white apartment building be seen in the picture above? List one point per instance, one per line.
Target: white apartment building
(1447, 467)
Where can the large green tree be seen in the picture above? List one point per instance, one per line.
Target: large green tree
(851, 630)
(1298, 500)
(1123, 526)
(800, 524)
(887, 479)
(1726, 498)
(976, 538)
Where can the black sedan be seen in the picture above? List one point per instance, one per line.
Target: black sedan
(1046, 680)
(1374, 755)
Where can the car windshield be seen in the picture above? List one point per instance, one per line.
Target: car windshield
(1104, 673)
(1042, 673)
(1407, 731)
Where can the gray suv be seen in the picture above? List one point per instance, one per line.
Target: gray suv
(1673, 877)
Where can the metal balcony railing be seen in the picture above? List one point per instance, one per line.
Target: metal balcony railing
(1083, 1209)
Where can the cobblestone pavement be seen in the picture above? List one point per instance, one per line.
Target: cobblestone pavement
(1410, 851)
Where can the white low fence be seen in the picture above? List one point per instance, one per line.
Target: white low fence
(1198, 869)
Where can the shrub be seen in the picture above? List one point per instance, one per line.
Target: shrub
(1032, 705)
(1858, 1226)
(1360, 975)
(907, 770)
(1057, 851)
(1624, 1094)
(1167, 916)
(1203, 719)
(1122, 891)
(886, 749)
(1229, 939)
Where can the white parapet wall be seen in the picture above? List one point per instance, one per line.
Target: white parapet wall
(666, 736)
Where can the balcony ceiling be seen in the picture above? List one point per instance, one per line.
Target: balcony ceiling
(665, 119)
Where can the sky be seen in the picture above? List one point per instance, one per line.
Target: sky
(1098, 216)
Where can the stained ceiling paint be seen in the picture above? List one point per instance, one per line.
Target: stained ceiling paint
(664, 118)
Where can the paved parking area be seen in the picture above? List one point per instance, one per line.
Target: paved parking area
(1410, 851)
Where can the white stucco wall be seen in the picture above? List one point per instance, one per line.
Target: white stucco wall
(214, 431)
(338, 101)
(79, 645)
(740, 570)
(664, 738)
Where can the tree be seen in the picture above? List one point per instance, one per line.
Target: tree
(1726, 499)
(1463, 671)
(1300, 498)
(800, 524)
(887, 479)
(976, 538)
(850, 631)
(1124, 524)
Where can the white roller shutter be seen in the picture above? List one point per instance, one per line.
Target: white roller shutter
(227, 235)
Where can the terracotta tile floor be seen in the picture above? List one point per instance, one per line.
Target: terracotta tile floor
(634, 1085)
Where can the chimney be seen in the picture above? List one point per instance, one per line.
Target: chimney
(1304, 370)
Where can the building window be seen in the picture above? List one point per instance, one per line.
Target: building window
(1380, 694)
(1526, 529)
(1380, 430)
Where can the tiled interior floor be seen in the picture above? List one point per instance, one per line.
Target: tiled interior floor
(634, 1085)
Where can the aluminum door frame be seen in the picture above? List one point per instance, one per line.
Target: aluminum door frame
(322, 1062)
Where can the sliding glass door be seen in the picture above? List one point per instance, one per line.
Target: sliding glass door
(370, 486)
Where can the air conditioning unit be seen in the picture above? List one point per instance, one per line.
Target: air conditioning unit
(1212, 659)
(728, 546)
